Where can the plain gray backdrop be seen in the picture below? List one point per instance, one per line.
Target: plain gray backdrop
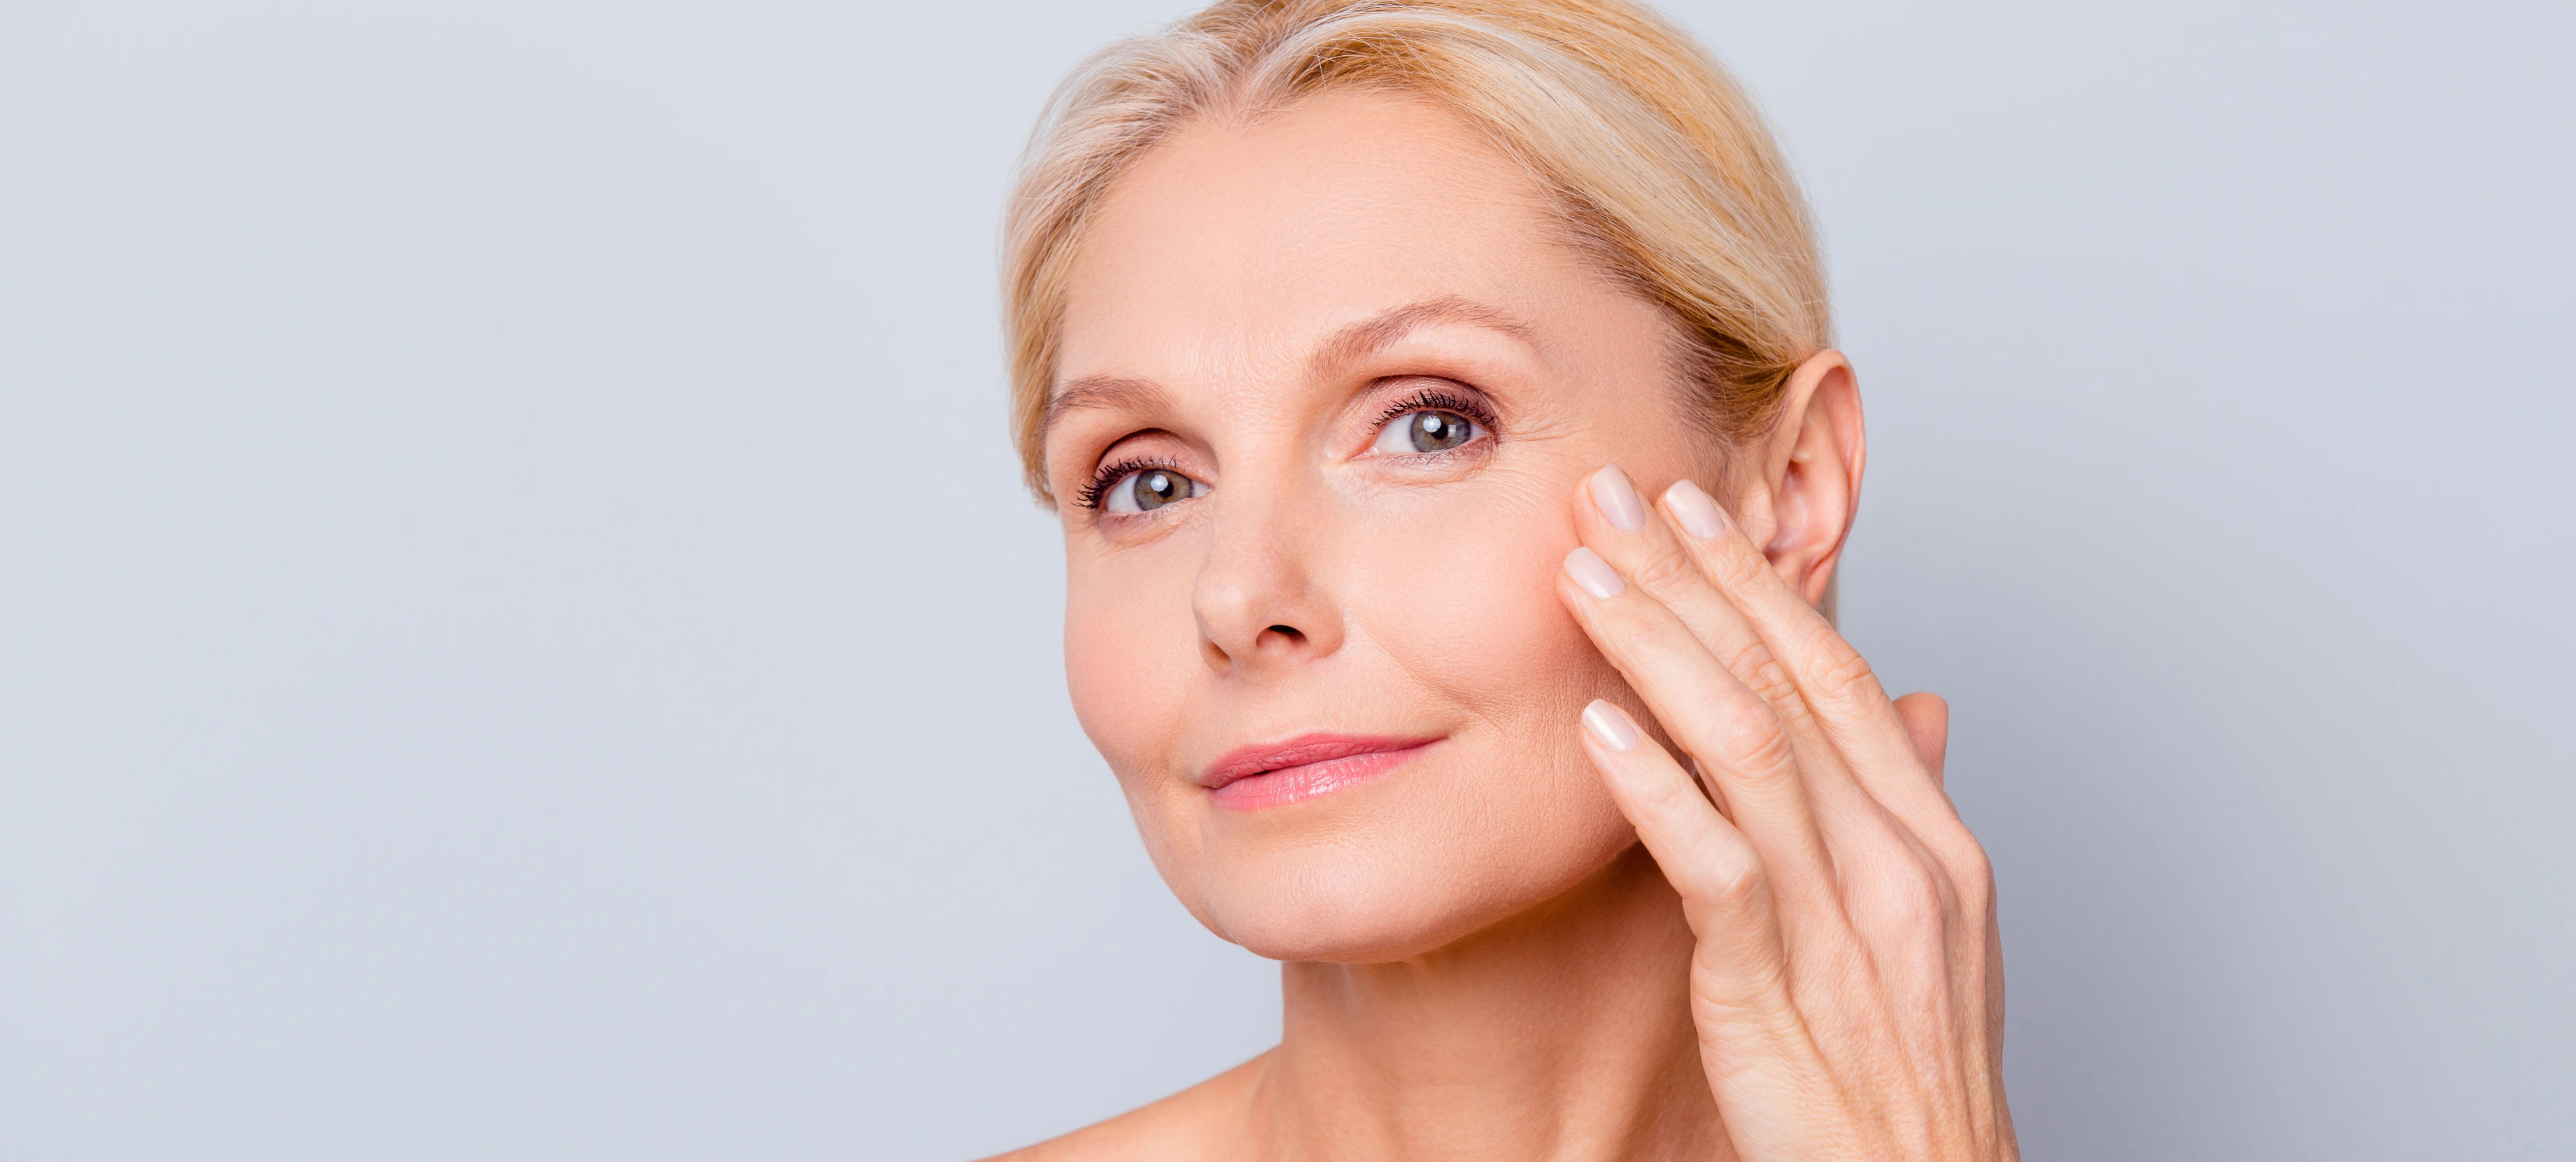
(520, 636)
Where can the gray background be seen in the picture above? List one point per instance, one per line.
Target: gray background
(519, 636)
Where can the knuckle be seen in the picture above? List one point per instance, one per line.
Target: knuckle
(1760, 671)
(1759, 753)
(1744, 997)
(1737, 883)
(1907, 896)
(1737, 733)
(1975, 878)
(1737, 569)
(1970, 870)
(1666, 798)
(1844, 675)
(1625, 626)
(1665, 571)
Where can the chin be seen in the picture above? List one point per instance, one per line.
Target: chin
(1342, 917)
(1371, 881)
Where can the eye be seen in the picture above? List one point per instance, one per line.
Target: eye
(1425, 431)
(1147, 489)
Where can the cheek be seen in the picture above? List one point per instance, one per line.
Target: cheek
(1472, 618)
(1472, 612)
(1129, 657)
(1121, 664)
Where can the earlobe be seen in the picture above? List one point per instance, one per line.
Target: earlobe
(1813, 473)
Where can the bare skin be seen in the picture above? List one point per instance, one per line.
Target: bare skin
(1538, 937)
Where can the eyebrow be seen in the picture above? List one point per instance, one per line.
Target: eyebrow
(1372, 335)
(1100, 391)
(1346, 346)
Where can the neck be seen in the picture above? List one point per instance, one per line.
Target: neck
(1563, 1034)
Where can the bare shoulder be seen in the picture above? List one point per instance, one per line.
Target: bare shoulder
(1202, 1121)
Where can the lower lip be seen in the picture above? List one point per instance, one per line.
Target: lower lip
(1297, 784)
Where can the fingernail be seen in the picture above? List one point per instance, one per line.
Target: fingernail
(1699, 516)
(1617, 499)
(1592, 573)
(1609, 726)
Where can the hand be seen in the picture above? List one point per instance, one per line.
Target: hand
(1848, 979)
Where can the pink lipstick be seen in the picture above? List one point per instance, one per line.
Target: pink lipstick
(1275, 774)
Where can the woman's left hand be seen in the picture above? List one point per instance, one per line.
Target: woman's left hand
(1848, 981)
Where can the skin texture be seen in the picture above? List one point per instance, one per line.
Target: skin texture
(1481, 957)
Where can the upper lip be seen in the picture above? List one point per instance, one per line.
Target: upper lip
(1247, 761)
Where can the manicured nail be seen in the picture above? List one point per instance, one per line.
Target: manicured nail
(1617, 499)
(1609, 725)
(1699, 516)
(1592, 573)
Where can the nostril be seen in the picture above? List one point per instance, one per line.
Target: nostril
(1287, 631)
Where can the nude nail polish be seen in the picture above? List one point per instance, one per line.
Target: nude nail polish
(1593, 574)
(1609, 726)
(1698, 515)
(1617, 499)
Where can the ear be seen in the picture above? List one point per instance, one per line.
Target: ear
(1800, 507)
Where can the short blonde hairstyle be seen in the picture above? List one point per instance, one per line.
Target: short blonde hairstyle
(1656, 162)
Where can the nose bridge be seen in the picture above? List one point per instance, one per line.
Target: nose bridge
(1262, 593)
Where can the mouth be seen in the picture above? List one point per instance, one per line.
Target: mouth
(1275, 774)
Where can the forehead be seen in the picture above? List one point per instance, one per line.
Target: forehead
(1236, 247)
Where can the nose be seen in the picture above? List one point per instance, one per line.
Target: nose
(1260, 599)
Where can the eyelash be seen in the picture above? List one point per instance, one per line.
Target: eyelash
(1441, 399)
(1429, 399)
(1094, 493)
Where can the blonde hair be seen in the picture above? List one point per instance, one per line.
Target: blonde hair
(1656, 162)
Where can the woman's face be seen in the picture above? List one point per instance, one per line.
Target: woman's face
(1326, 388)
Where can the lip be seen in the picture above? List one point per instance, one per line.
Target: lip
(1273, 774)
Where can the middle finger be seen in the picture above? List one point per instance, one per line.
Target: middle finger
(1738, 742)
(1638, 543)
